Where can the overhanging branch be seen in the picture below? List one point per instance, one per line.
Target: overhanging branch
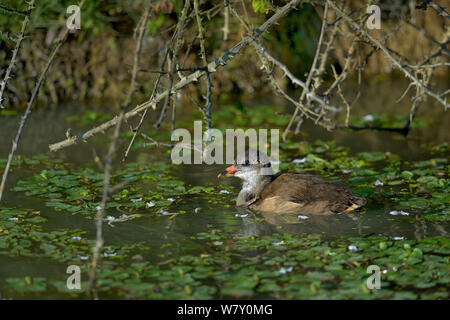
(211, 68)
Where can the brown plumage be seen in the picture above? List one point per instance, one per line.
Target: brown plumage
(307, 194)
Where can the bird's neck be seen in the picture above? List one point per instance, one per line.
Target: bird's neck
(252, 188)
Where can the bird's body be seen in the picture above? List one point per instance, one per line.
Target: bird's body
(306, 194)
(289, 193)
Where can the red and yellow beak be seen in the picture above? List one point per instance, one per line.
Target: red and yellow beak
(228, 172)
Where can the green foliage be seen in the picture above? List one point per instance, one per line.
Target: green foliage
(89, 118)
(293, 41)
(286, 267)
(96, 16)
(216, 262)
(260, 6)
(154, 25)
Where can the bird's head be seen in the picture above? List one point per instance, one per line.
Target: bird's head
(249, 166)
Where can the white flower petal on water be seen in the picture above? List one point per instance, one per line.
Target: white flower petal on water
(285, 270)
(278, 243)
(397, 238)
(224, 191)
(378, 183)
(98, 208)
(13, 219)
(76, 238)
(150, 204)
(241, 215)
(303, 217)
(396, 213)
(352, 248)
(346, 171)
(83, 257)
(110, 254)
(136, 200)
(166, 213)
(368, 118)
(171, 199)
(110, 218)
(299, 161)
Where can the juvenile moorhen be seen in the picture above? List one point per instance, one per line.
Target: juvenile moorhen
(287, 193)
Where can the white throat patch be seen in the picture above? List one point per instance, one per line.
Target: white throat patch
(250, 179)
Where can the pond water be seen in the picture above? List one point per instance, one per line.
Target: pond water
(197, 203)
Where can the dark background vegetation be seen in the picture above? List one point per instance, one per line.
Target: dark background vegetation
(95, 62)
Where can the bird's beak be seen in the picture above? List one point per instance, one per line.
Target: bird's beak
(228, 172)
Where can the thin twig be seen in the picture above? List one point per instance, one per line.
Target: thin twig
(137, 54)
(135, 68)
(311, 71)
(209, 85)
(307, 112)
(179, 41)
(101, 212)
(309, 94)
(226, 23)
(33, 97)
(15, 11)
(212, 67)
(20, 37)
(109, 158)
(388, 54)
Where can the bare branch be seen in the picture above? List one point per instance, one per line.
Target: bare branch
(101, 212)
(388, 54)
(35, 93)
(20, 37)
(109, 158)
(179, 40)
(212, 67)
